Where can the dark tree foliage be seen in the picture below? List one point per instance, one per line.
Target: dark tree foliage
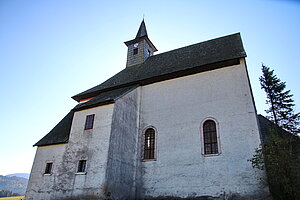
(279, 154)
(281, 104)
(7, 193)
(281, 162)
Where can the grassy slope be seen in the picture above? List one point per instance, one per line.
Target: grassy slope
(13, 198)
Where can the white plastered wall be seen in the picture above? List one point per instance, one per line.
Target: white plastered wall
(91, 145)
(176, 109)
(39, 184)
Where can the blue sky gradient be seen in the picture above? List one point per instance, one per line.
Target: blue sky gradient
(51, 50)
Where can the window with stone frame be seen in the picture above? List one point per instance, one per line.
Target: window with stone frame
(149, 144)
(89, 122)
(48, 168)
(210, 139)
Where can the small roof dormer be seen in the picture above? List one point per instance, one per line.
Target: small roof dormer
(140, 48)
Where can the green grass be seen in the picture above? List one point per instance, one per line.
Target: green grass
(13, 198)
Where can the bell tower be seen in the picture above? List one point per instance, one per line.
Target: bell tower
(140, 48)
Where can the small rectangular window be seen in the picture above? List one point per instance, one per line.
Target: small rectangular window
(81, 166)
(48, 168)
(135, 51)
(89, 122)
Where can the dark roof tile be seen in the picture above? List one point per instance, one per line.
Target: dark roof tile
(105, 98)
(186, 58)
(60, 133)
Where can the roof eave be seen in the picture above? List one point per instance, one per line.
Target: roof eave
(186, 72)
(235, 38)
(140, 39)
(78, 97)
(94, 105)
(54, 143)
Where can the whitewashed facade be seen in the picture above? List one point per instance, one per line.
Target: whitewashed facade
(175, 108)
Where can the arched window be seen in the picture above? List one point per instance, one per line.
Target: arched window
(149, 144)
(210, 139)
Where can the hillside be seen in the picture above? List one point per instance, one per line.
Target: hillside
(23, 175)
(14, 184)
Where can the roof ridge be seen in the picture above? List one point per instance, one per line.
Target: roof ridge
(191, 45)
(177, 60)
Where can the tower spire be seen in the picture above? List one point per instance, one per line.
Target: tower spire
(142, 32)
(140, 48)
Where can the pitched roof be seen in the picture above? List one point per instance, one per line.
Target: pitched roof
(267, 127)
(60, 133)
(209, 55)
(105, 98)
(179, 62)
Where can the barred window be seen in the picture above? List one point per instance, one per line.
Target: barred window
(48, 168)
(149, 144)
(81, 166)
(89, 122)
(210, 137)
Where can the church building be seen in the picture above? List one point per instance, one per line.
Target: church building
(179, 124)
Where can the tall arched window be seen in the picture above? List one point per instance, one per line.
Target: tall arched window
(149, 144)
(210, 137)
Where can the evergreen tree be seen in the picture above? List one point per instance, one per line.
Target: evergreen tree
(281, 104)
(279, 154)
(8, 193)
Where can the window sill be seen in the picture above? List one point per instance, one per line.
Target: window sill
(88, 131)
(80, 173)
(209, 155)
(47, 174)
(146, 160)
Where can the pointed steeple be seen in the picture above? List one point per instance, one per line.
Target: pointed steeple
(142, 31)
(140, 48)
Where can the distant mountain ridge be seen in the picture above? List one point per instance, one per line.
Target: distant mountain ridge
(13, 183)
(23, 175)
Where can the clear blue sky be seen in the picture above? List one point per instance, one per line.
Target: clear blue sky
(51, 50)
